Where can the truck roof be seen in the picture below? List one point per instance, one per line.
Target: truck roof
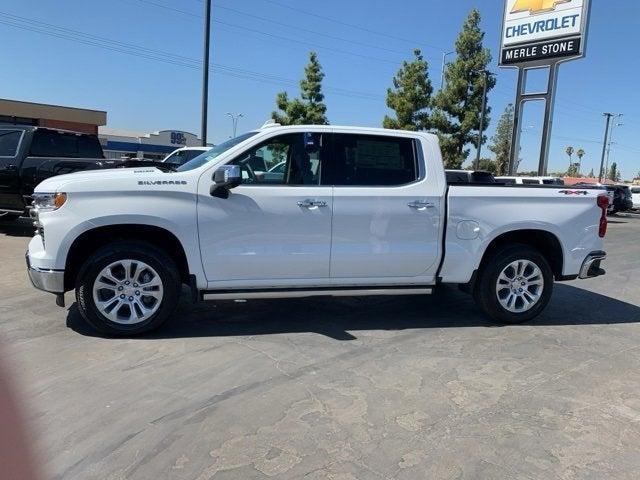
(343, 128)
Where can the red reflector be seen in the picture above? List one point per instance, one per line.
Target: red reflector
(603, 201)
(602, 231)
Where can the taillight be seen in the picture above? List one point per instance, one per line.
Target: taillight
(603, 203)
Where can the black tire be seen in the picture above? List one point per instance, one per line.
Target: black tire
(485, 291)
(9, 217)
(121, 250)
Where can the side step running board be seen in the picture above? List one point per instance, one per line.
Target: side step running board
(320, 292)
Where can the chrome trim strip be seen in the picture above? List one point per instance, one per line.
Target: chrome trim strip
(246, 295)
(51, 281)
(588, 263)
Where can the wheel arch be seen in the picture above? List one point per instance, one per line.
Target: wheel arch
(544, 241)
(90, 240)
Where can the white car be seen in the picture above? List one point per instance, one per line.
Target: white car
(183, 155)
(635, 194)
(359, 211)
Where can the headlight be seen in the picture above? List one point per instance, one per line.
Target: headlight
(48, 202)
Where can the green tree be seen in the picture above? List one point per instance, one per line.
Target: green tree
(457, 107)
(580, 153)
(410, 96)
(569, 152)
(573, 170)
(488, 165)
(502, 140)
(310, 108)
(614, 173)
(592, 174)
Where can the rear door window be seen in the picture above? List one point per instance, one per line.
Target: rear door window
(372, 160)
(9, 142)
(51, 143)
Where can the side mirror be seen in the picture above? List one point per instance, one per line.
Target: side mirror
(224, 179)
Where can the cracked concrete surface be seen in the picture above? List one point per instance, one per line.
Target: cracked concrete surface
(337, 389)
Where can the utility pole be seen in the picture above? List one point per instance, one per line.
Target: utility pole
(613, 126)
(444, 64)
(476, 165)
(234, 121)
(604, 145)
(205, 71)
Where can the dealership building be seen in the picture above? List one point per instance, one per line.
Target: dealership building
(118, 143)
(83, 120)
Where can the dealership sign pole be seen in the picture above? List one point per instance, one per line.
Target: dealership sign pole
(541, 34)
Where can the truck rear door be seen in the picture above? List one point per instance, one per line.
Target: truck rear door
(10, 140)
(386, 212)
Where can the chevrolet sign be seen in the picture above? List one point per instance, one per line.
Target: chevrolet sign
(541, 31)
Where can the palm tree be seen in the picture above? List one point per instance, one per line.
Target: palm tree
(570, 151)
(580, 153)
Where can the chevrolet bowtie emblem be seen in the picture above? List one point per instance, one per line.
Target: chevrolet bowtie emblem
(536, 6)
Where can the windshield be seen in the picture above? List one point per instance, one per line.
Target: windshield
(206, 157)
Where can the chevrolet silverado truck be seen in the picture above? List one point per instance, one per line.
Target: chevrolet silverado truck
(354, 212)
(31, 154)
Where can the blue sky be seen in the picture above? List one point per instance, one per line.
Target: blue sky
(139, 60)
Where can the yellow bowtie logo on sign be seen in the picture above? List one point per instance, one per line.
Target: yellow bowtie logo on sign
(536, 6)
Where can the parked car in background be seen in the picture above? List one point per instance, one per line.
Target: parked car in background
(29, 155)
(531, 181)
(623, 199)
(469, 176)
(183, 155)
(359, 211)
(635, 197)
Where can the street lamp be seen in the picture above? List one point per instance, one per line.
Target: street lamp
(444, 64)
(611, 142)
(234, 121)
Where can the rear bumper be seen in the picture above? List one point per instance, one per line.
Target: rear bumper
(591, 265)
(43, 279)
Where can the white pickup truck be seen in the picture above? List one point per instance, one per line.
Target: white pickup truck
(354, 211)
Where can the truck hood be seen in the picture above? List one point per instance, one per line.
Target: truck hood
(98, 179)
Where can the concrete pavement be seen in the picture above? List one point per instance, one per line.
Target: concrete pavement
(353, 388)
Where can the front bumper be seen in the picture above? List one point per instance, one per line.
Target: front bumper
(44, 279)
(591, 265)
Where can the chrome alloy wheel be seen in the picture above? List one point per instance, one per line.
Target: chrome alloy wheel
(519, 286)
(128, 292)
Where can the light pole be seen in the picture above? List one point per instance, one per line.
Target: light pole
(611, 142)
(205, 71)
(604, 144)
(482, 116)
(234, 121)
(444, 64)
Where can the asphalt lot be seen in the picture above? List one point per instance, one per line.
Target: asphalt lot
(342, 389)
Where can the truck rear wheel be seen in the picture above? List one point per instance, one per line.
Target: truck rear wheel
(515, 285)
(128, 288)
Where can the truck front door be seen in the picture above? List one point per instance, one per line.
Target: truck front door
(386, 219)
(275, 228)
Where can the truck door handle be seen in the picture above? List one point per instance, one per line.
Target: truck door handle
(312, 204)
(420, 205)
(11, 168)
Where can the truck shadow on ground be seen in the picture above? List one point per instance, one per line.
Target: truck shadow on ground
(22, 227)
(341, 318)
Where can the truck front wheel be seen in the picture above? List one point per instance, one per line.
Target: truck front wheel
(514, 285)
(128, 288)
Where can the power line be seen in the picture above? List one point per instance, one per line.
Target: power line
(161, 56)
(288, 40)
(351, 25)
